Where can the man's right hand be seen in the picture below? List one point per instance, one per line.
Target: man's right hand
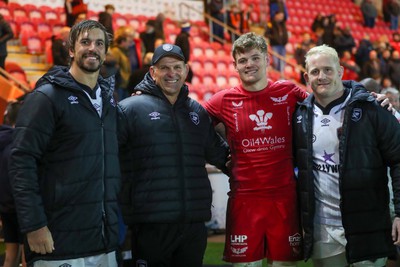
(40, 241)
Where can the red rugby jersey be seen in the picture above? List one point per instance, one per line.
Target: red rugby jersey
(259, 132)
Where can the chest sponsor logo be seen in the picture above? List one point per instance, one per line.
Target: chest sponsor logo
(356, 115)
(194, 117)
(329, 165)
(237, 104)
(154, 115)
(261, 119)
(280, 100)
(65, 265)
(73, 99)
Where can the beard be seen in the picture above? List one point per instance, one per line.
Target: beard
(89, 67)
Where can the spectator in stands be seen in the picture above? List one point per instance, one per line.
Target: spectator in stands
(13, 238)
(370, 13)
(216, 8)
(385, 59)
(277, 34)
(65, 145)
(277, 6)
(59, 47)
(393, 95)
(385, 11)
(371, 85)
(158, 42)
(343, 40)
(105, 18)
(372, 68)
(134, 47)
(394, 69)
(351, 70)
(395, 43)
(138, 75)
(166, 138)
(74, 8)
(120, 54)
(80, 17)
(301, 49)
(235, 21)
(6, 34)
(148, 37)
(182, 41)
(317, 22)
(328, 24)
(386, 83)
(159, 26)
(248, 18)
(394, 10)
(362, 52)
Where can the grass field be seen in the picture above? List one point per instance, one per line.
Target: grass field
(212, 257)
(214, 251)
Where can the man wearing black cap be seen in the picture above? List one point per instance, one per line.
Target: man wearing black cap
(165, 140)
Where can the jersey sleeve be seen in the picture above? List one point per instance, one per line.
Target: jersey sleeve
(300, 93)
(213, 107)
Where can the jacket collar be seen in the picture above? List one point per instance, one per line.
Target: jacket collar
(357, 91)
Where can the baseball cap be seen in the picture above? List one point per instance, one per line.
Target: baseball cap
(167, 50)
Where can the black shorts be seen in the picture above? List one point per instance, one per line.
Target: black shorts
(178, 245)
(11, 231)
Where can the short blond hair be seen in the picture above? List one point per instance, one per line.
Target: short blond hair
(323, 50)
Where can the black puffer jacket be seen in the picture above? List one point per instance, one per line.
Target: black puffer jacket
(64, 163)
(164, 149)
(6, 198)
(368, 143)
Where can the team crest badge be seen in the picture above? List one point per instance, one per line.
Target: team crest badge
(357, 114)
(194, 117)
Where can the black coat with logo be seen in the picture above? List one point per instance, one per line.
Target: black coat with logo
(369, 142)
(163, 152)
(65, 167)
(6, 198)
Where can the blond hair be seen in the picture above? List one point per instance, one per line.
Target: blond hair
(323, 50)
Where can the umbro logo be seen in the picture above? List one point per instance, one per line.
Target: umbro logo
(155, 115)
(325, 122)
(73, 99)
(299, 118)
(237, 104)
(261, 119)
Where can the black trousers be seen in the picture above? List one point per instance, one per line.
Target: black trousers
(168, 245)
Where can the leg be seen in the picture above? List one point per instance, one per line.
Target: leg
(334, 261)
(284, 264)
(13, 255)
(192, 246)
(154, 244)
